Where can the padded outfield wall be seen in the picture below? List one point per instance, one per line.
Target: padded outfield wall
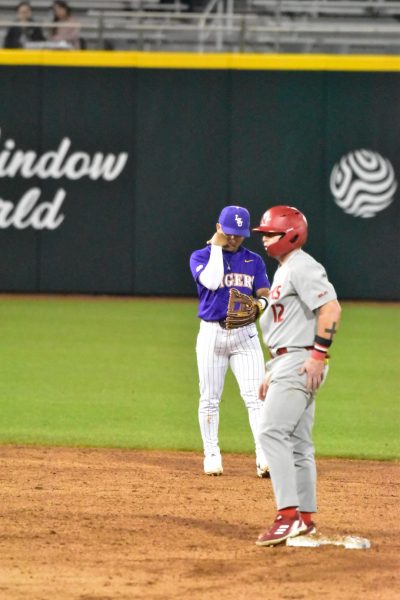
(114, 166)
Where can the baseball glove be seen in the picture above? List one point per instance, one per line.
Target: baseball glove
(242, 309)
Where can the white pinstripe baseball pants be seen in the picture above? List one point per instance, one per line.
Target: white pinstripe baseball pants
(216, 349)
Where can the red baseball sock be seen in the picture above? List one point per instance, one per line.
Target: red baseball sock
(306, 516)
(289, 511)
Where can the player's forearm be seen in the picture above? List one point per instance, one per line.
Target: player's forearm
(328, 319)
(213, 273)
(327, 325)
(262, 292)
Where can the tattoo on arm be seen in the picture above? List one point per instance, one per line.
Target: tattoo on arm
(331, 331)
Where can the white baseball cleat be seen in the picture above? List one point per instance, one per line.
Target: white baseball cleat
(263, 471)
(213, 464)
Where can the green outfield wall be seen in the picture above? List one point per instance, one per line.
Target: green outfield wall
(114, 166)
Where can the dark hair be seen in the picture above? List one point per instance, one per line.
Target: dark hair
(63, 5)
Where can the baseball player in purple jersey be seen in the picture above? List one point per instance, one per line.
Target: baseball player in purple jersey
(218, 267)
(298, 328)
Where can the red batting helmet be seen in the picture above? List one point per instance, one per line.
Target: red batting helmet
(288, 221)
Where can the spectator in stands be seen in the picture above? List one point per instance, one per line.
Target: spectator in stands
(62, 13)
(16, 36)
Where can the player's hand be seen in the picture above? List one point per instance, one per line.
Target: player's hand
(218, 239)
(264, 385)
(315, 373)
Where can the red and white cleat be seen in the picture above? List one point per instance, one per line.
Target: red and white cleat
(282, 529)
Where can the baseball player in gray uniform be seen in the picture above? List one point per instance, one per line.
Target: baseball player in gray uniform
(223, 264)
(298, 328)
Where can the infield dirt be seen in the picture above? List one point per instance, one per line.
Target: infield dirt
(87, 524)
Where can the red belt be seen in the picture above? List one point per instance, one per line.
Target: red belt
(285, 350)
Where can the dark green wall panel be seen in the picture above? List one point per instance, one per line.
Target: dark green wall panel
(95, 109)
(362, 255)
(194, 141)
(182, 166)
(20, 102)
(277, 142)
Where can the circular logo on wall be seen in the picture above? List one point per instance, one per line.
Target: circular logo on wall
(363, 183)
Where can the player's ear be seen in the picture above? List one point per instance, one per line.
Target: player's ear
(219, 228)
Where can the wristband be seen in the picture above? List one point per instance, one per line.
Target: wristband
(318, 354)
(320, 341)
(264, 303)
(321, 346)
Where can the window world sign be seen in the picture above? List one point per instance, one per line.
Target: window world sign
(63, 163)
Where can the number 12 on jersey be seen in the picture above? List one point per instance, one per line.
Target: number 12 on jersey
(277, 310)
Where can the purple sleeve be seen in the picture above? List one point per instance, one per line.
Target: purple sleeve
(198, 260)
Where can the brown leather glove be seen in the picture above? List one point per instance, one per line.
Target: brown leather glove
(242, 309)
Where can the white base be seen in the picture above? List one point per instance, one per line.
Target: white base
(351, 542)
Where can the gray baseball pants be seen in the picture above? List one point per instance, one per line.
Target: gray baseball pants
(285, 433)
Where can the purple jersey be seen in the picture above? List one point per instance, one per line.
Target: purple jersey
(243, 270)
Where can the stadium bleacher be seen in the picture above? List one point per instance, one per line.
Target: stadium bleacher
(261, 26)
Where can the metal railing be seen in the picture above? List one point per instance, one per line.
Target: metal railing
(341, 8)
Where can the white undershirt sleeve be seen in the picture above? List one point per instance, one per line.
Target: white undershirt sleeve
(213, 273)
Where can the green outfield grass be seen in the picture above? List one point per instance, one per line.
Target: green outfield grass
(122, 373)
